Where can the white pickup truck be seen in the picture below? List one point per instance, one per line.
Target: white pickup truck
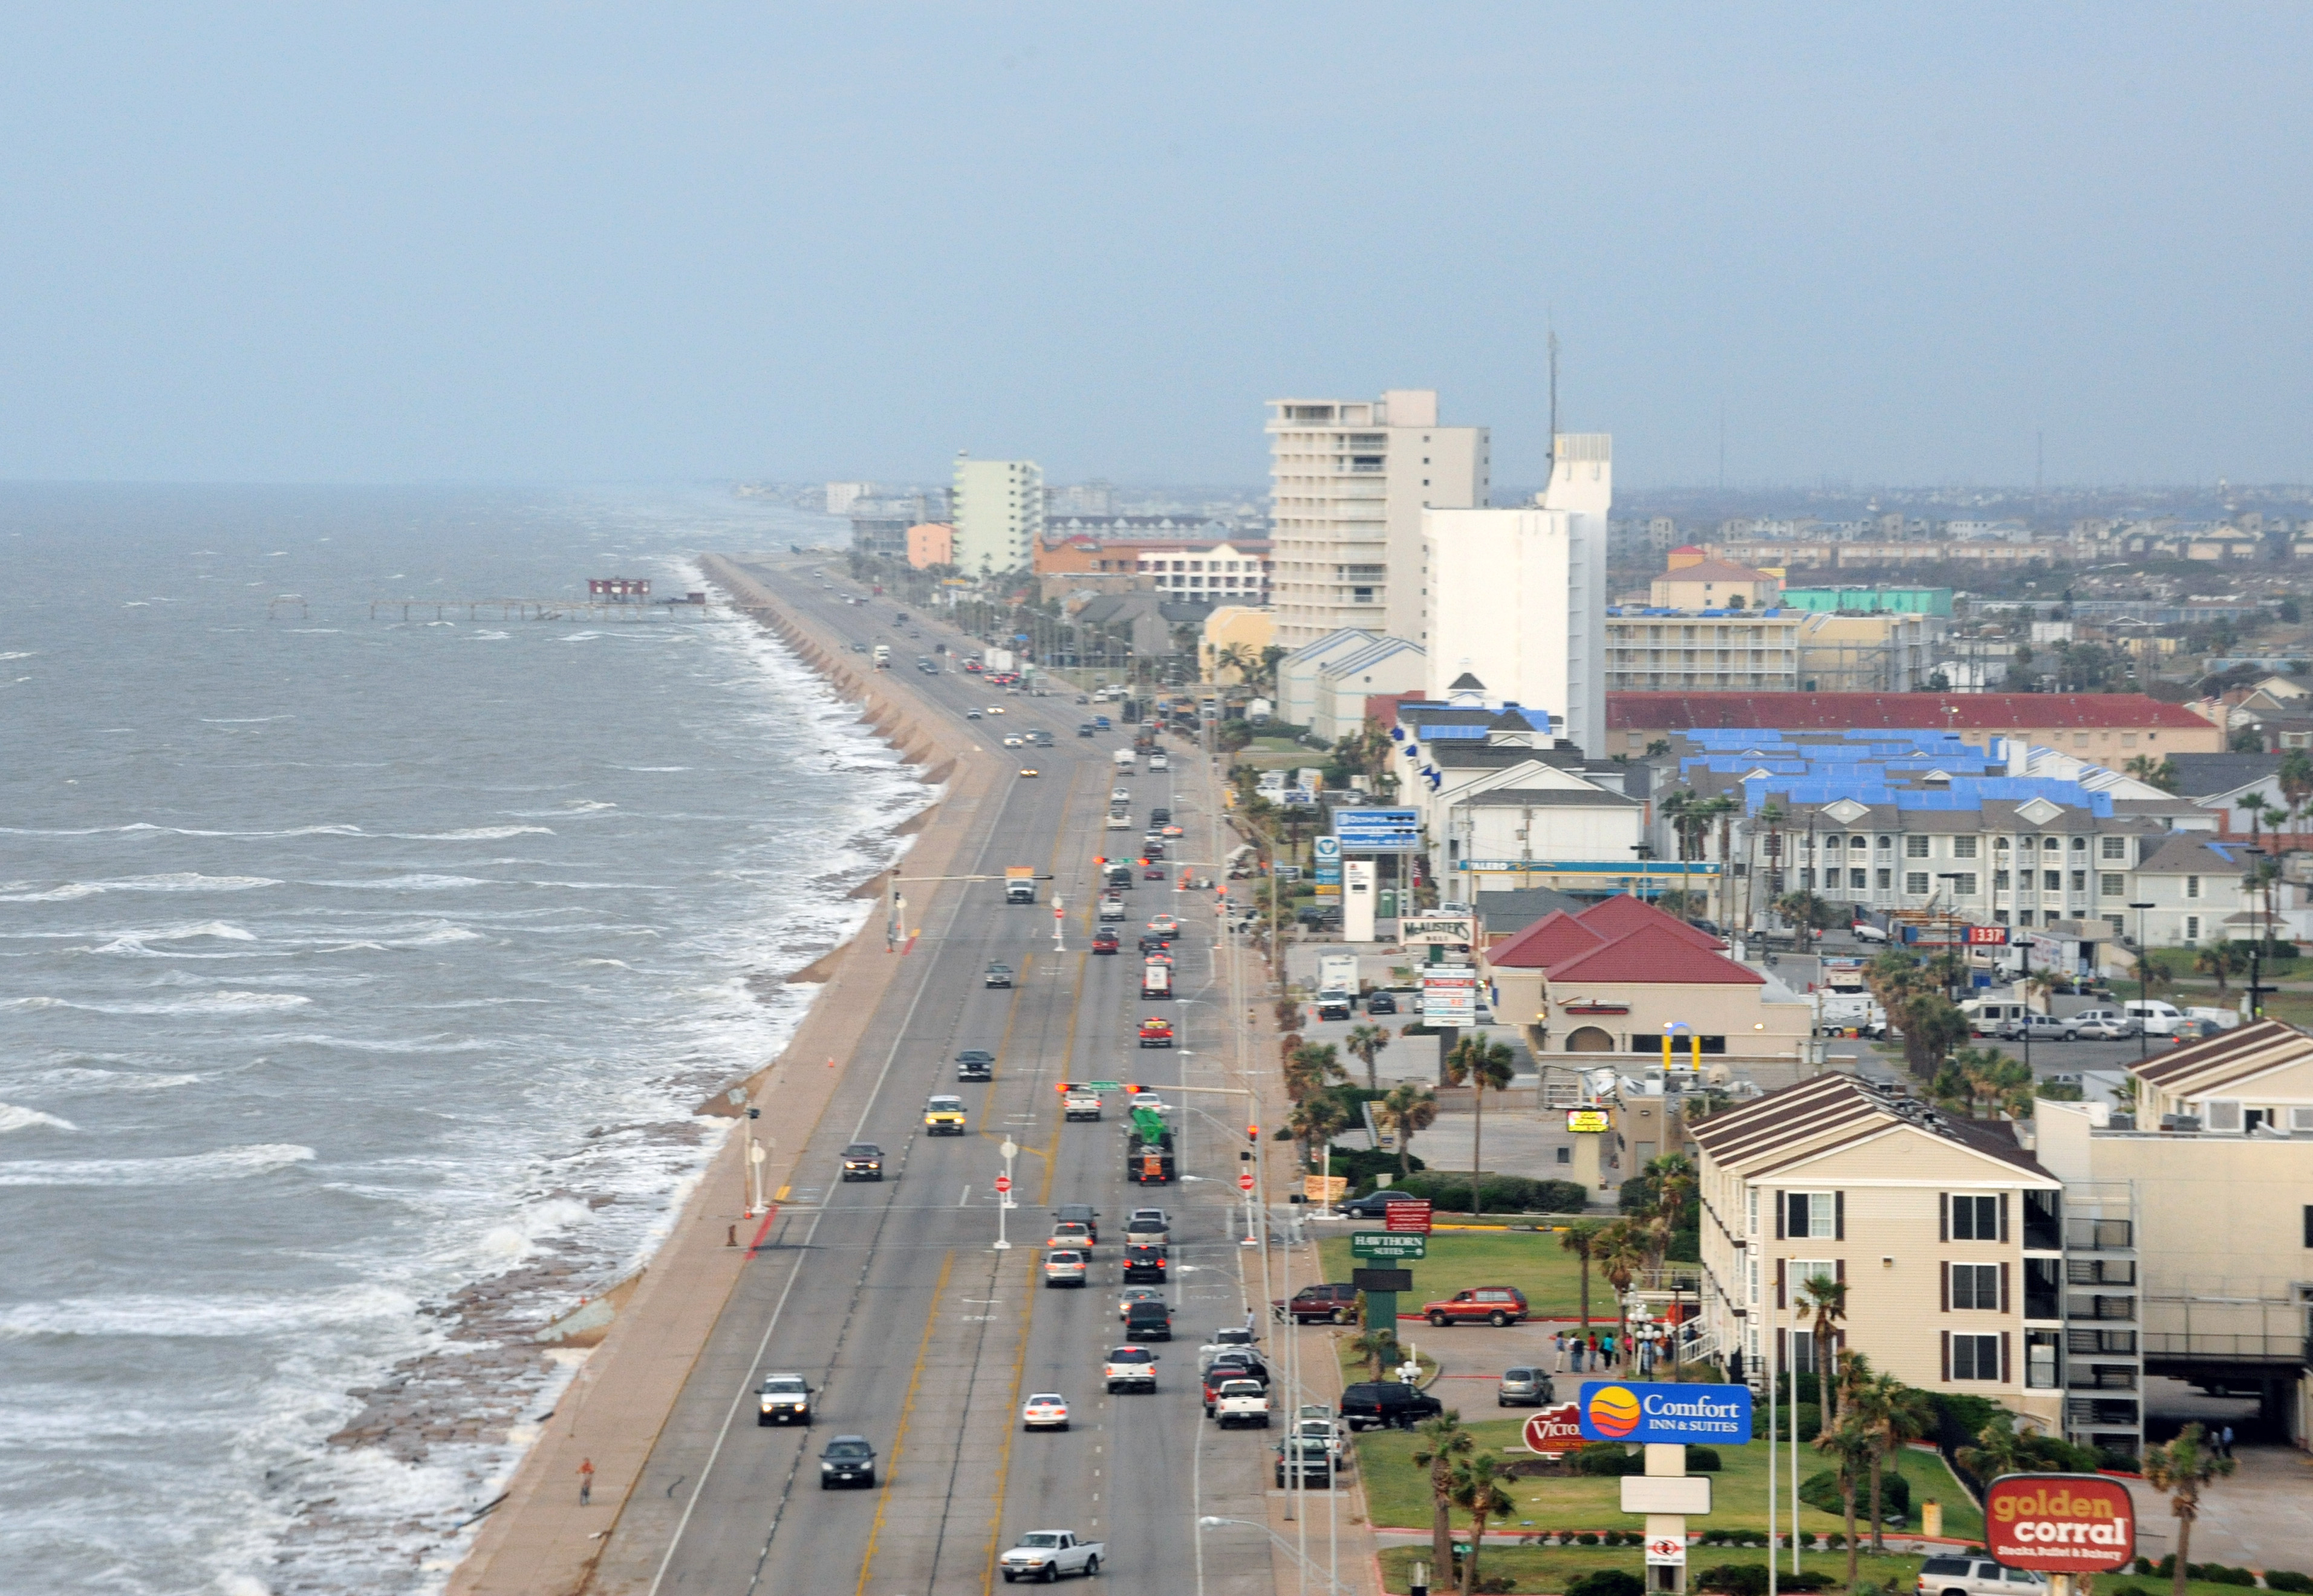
(1048, 1554)
(1241, 1402)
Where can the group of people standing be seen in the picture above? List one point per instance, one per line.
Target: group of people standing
(1599, 1351)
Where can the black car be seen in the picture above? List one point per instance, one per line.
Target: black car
(862, 1160)
(1319, 919)
(1380, 1003)
(1304, 1459)
(1086, 729)
(1387, 1404)
(1144, 1261)
(1150, 942)
(1160, 816)
(1083, 1214)
(975, 1064)
(1375, 1205)
(849, 1461)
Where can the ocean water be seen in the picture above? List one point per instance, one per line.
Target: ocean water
(357, 978)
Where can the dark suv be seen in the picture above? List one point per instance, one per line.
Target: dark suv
(975, 1064)
(1387, 1404)
(1149, 1320)
(1083, 1214)
(862, 1160)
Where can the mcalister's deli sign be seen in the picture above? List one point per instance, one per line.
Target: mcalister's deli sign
(2060, 1523)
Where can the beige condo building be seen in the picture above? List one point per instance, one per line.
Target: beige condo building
(1349, 480)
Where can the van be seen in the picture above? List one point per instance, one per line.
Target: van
(2157, 1017)
(1123, 758)
(1988, 1016)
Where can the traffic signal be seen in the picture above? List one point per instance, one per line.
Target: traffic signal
(1142, 863)
(1099, 863)
(1252, 1135)
(1131, 1089)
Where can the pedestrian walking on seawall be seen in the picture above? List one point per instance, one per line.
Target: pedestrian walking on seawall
(585, 1482)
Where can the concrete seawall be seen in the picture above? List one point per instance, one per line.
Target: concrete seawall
(541, 1542)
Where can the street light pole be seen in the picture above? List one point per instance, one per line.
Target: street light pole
(2143, 988)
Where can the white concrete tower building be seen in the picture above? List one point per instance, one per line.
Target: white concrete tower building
(1349, 480)
(997, 507)
(1516, 599)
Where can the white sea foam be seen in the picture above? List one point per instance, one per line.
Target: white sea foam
(204, 1002)
(265, 1316)
(227, 1163)
(474, 834)
(420, 883)
(174, 881)
(93, 1080)
(12, 1117)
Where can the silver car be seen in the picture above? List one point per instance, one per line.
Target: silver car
(1525, 1388)
(2106, 1025)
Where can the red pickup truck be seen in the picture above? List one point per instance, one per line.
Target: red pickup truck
(1487, 1305)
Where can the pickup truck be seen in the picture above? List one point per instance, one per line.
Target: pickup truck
(1488, 1304)
(1081, 1105)
(1240, 1402)
(1049, 1553)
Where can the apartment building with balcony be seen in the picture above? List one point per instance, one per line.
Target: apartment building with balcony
(997, 507)
(1947, 1233)
(1921, 824)
(1349, 480)
(2189, 1244)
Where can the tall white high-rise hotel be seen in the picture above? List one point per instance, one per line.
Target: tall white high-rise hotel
(1349, 480)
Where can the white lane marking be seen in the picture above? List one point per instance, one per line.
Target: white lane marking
(964, 1197)
(746, 1386)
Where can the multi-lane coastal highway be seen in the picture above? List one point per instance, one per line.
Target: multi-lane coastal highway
(890, 1298)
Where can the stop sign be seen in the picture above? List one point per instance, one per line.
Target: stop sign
(1003, 1182)
(1244, 1182)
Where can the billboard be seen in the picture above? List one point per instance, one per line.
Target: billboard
(1717, 1414)
(1553, 1432)
(1436, 931)
(1449, 995)
(1407, 1218)
(2060, 1523)
(1590, 1121)
(1379, 830)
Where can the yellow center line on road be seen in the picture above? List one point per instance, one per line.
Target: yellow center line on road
(907, 1409)
(1028, 1287)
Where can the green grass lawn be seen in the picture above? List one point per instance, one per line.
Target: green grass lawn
(1545, 1569)
(1397, 1493)
(1459, 1260)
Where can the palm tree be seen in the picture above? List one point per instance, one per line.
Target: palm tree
(1674, 1182)
(1484, 1063)
(2182, 1471)
(1439, 1444)
(2296, 781)
(2218, 960)
(1854, 1445)
(1581, 1240)
(1824, 1299)
(1476, 1490)
(1896, 1413)
(1410, 1107)
(1235, 657)
(1366, 1041)
(1622, 1249)
(1310, 1069)
(1999, 1450)
(1313, 1123)
(1677, 807)
(1377, 1347)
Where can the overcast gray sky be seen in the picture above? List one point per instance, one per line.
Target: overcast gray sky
(585, 242)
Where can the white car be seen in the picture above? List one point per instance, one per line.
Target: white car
(996, 709)
(1111, 908)
(2105, 1025)
(1159, 762)
(1064, 1268)
(1120, 794)
(1863, 931)
(1150, 1101)
(1046, 1410)
(1013, 739)
(1130, 1367)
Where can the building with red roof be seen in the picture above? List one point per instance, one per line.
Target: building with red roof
(1553, 939)
(1619, 915)
(2109, 728)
